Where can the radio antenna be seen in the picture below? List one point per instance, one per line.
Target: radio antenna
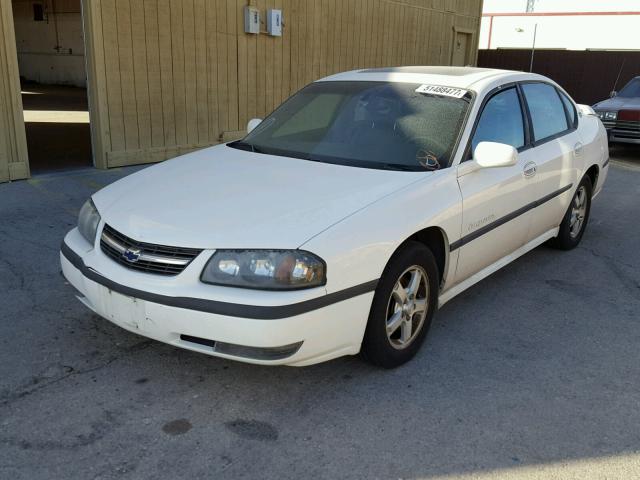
(619, 73)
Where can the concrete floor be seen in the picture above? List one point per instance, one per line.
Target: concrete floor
(533, 373)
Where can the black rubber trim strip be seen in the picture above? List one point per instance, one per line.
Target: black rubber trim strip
(220, 308)
(606, 162)
(507, 218)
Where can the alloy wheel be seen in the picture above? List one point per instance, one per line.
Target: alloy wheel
(578, 212)
(407, 307)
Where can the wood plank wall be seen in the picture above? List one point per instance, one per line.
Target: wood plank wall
(13, 142)
(170, 76)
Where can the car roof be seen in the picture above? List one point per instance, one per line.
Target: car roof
(460, 77)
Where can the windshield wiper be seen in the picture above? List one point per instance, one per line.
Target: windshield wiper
(250, 147)
(401, 167)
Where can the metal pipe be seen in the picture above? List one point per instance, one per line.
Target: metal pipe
(533, 47)
(490, 31)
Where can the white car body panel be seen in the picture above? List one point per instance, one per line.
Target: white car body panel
(328, 332)
(494, 267)
(352, 218)
(358, 249)
(488, 195)
(220, 197)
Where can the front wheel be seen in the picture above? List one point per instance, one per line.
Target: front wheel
(575, 220)
(403, 305)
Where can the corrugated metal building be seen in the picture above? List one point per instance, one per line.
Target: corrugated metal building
(166, 77)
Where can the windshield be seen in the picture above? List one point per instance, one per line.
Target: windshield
(363, 124)
(631, 89)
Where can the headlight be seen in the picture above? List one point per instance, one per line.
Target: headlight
(265, 269)
(88, 221)
(608, 115)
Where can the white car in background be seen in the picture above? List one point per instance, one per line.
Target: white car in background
(342, 221)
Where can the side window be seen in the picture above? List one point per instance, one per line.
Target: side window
(571, 109)
(546, 109)
(501, 120)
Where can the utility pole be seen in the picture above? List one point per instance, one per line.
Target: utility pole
(533, 47)
(531, 5)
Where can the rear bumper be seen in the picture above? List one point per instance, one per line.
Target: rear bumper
(309, 335)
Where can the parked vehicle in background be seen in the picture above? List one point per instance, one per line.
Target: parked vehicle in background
(344, 220)
(621, 113)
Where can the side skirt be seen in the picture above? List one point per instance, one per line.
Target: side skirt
(494, 267)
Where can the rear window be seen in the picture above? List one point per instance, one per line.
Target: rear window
(546, 109)
(572, 114)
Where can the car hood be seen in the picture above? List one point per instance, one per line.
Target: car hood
(617, 103)
(221, 197)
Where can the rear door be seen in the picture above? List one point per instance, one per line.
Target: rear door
(495, 200)
(556, 148)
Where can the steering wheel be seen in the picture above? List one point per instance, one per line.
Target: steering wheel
(425, 154)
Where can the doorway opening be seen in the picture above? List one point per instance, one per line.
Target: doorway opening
(51, 62)
(461, 52)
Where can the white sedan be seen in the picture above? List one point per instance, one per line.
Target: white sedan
(345, 219)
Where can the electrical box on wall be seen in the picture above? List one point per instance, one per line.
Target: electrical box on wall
(251, 20)
(274, 22)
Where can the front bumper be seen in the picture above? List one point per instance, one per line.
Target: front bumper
(294, 333)
(618, 136)
(623, 131)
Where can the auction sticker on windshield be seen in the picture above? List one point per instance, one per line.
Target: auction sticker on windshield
(443, 91)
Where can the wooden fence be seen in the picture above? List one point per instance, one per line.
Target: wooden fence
(170, 76)
(13, 143)
(589, 75)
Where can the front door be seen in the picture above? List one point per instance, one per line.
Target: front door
(495, 219)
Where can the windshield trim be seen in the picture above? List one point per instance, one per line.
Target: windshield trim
(456, 150)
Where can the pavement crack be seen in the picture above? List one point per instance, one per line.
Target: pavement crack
(98, 429)
(615, 265)
(606, 257)
(37, 386)
(15, 271)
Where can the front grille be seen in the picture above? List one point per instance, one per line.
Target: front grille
(625, 134)
(626, 129)
(628, 125)
(151, 258)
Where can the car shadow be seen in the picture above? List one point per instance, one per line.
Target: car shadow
(625, 152)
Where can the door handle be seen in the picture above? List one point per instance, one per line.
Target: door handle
(530, 169)
(577, 149)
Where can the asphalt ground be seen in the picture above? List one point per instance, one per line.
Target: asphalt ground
(532, 373)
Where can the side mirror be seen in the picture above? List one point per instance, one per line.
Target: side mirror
(493, 155)
(613, 94)
(253, 123)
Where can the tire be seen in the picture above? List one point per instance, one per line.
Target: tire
(575, 220)
(390, 350)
